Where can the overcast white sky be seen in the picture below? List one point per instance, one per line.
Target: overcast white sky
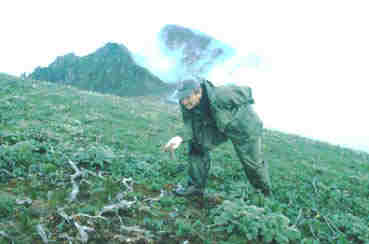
(313, 81)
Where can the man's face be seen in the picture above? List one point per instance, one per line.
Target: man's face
(192, 100)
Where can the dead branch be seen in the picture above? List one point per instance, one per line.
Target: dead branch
(128, 182)
(162, 193)
(66, 236)
(81, 228)
(88, 216)
(131, 229)
(312, 231)
(6, 172)
(94, 174)
(83, 231)
(86, 181)
(123, 204)
(119, 197)
(41, 231)
(126, 239)
(75, 190)
(298, 217)
(64, 215)
(331, 226)
(314, 185)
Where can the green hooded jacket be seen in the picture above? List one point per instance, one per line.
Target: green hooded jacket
(223, 103)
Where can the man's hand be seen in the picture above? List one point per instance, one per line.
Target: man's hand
(172, 145)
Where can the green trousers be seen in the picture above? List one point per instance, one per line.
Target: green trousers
(245, 133)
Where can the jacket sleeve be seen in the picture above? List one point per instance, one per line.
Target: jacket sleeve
(186, 133)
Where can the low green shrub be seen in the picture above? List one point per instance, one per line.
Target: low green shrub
(6, 206)
(251, 222)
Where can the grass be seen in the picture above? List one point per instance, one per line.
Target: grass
(321, 191)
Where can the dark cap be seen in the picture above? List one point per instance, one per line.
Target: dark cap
(186, 88)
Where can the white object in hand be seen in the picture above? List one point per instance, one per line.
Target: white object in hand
(173, 144)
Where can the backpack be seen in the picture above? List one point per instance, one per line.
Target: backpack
(229, 96)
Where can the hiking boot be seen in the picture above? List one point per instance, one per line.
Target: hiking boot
(189, 191)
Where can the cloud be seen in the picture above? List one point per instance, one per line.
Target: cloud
(218, 61)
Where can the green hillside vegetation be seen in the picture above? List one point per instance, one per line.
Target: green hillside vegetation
(84, 167)
(111, 69)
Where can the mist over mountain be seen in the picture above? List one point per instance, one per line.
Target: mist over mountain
(110, 69)
(196, 51)
(177, 52)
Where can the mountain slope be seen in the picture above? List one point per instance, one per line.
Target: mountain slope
(111, 69)
(78, 166)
